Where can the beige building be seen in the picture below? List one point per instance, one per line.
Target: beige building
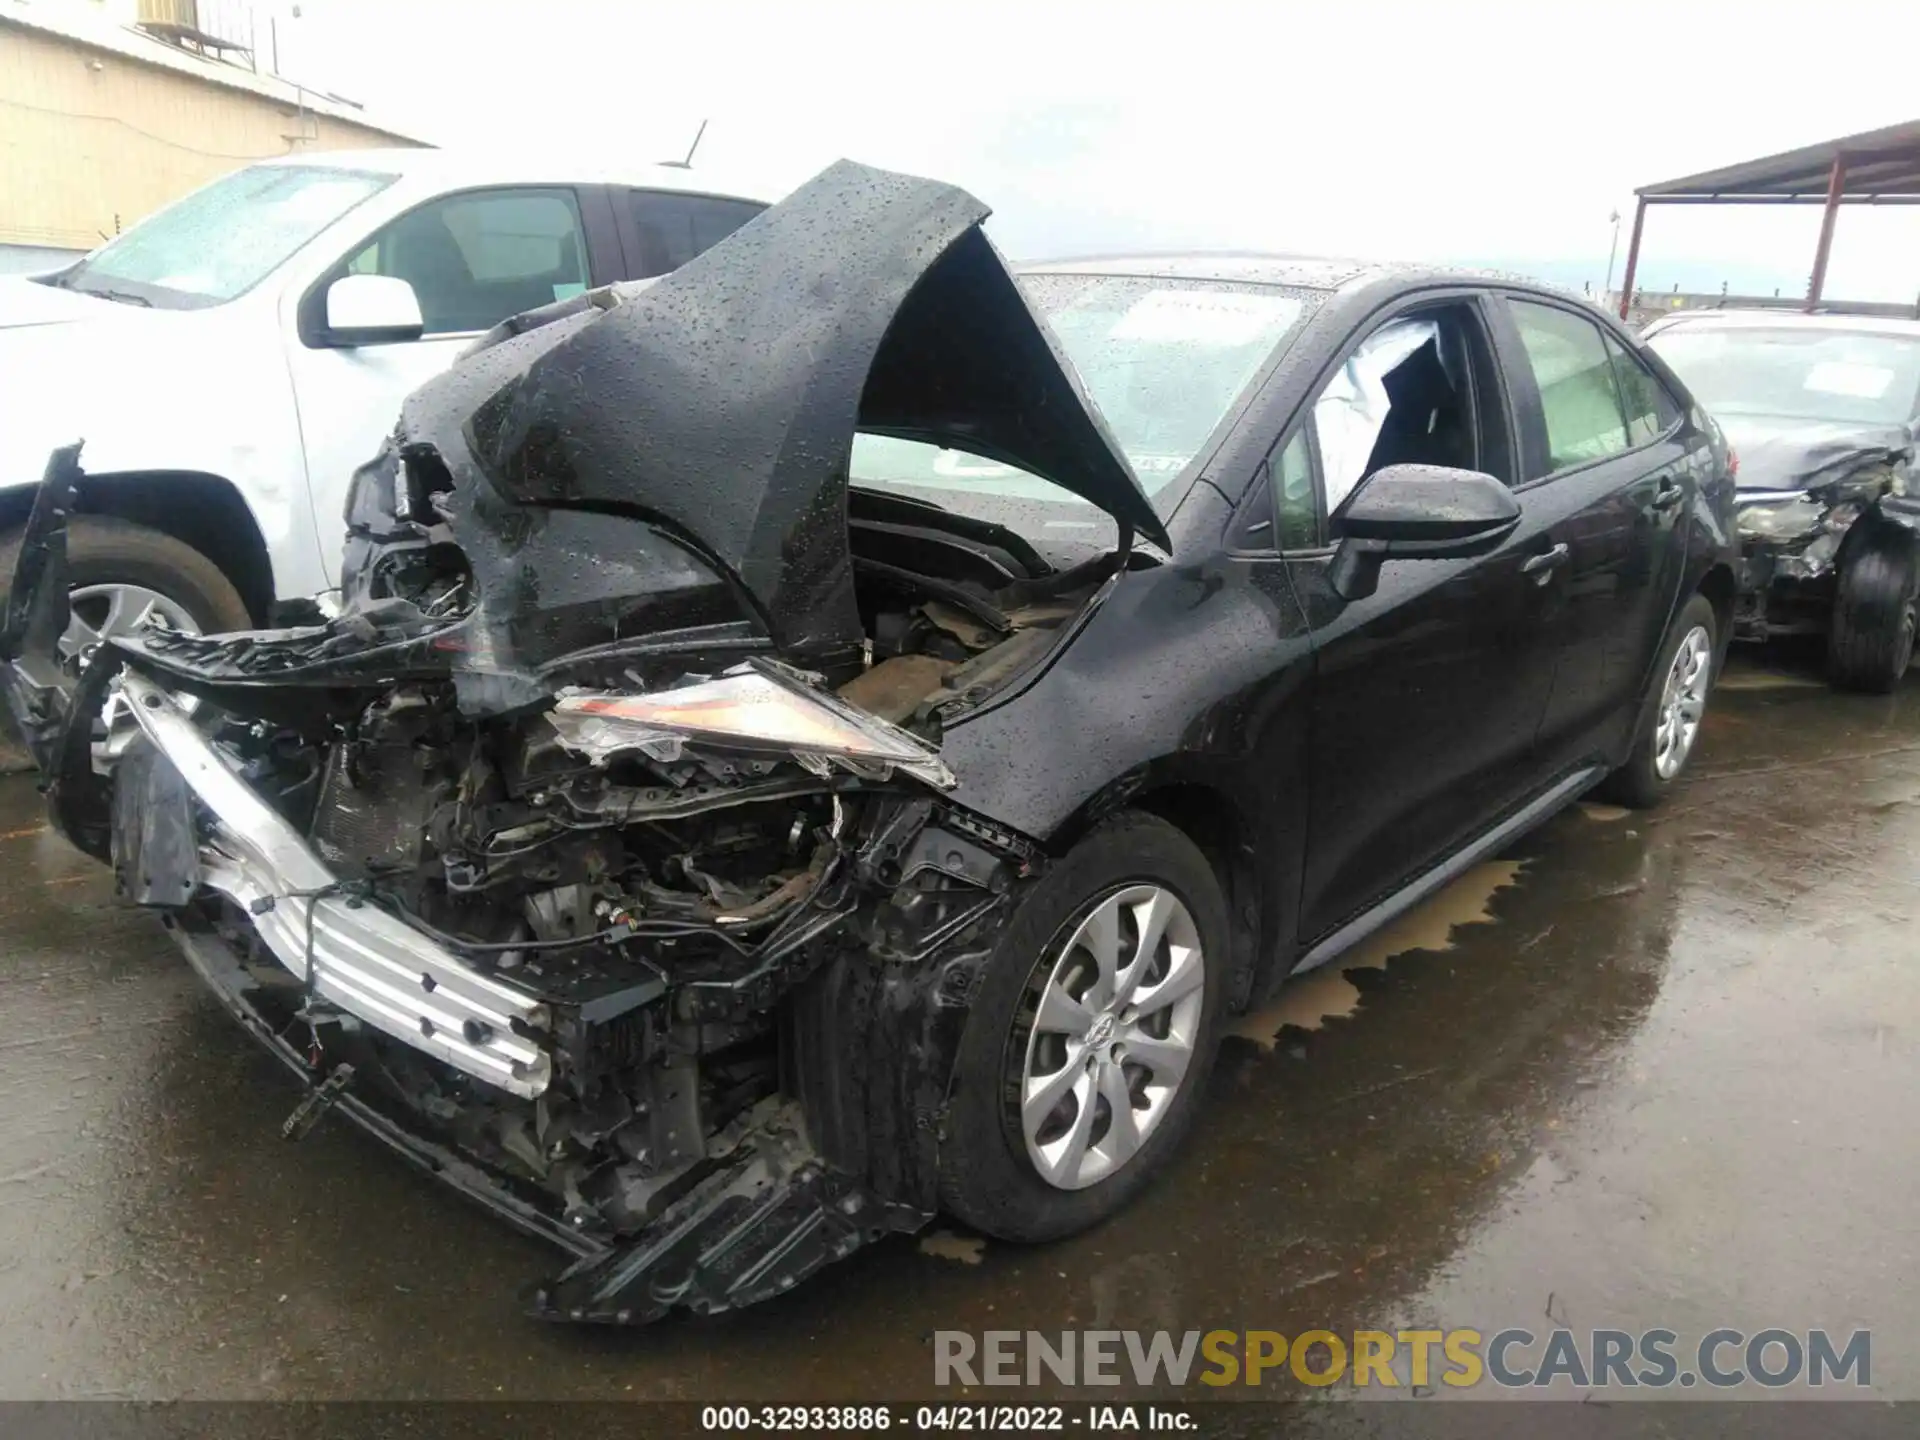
(110, 109)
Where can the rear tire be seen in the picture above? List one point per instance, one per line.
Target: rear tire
(1650, 772)
(989, 1176)
(1870, 643)
(104, 551)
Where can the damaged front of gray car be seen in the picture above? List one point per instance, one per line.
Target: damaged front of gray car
(599, 856)
(1803, 491)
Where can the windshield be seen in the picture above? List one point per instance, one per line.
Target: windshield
(224, 238)
(1836, 376)
(1164, 361)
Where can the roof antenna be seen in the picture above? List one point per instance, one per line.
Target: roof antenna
(687, 164)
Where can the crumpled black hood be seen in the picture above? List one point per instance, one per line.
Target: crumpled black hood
(719, 404)
(1785, 454)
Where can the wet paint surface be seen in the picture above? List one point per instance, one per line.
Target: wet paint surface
(1657, 1069)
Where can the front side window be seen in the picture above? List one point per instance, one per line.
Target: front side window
(475, 259)
(675, 228)
(1353, 412)
(223, 239)
(1579, 391)
(1403, 397)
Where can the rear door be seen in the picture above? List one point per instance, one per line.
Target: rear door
(1609, 470)
(1428, 693)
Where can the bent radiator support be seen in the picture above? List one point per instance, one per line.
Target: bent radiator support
(368, 962)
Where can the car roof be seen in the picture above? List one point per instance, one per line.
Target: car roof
(1790, 320)
(1304, 272)
(459, 169)
(1307, 272)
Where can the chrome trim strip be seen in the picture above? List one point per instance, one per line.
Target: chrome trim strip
(366, 961)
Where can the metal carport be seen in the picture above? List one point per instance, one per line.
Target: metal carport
(1879, 167)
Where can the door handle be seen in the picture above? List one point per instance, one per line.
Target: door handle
(1669, 494)
(1542, 566)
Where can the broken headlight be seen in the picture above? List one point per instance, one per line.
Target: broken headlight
(1780, 521)
(747, 708)
(1805, 528)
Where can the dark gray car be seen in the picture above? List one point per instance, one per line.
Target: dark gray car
(1823, 411)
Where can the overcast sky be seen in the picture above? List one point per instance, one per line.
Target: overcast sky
(1447, 130)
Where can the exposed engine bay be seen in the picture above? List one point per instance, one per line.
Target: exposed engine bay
(656, 891)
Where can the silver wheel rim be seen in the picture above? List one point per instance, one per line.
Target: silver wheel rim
(1683, 700)
(102, 612)
(1113, 1033)
(97, 613)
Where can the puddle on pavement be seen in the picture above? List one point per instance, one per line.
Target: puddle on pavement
(1326, 994)
(945, 1245)
(1745, 679)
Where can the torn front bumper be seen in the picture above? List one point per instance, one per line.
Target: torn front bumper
(348, 953)
(796, 1181)
(237, 989)
(770, 1214)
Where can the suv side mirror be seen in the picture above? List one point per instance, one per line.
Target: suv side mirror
(372, 310)
(1410, 512)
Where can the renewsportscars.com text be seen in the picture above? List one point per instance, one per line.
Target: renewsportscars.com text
(1511, 1359)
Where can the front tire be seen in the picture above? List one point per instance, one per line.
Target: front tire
(120, 571)
(1870, 643)
(1670, 717)
(1089, 1043)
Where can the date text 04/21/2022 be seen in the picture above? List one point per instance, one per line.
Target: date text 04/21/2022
(1010, 1419)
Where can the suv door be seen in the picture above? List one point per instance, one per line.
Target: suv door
(660, 230)
(1610, 469)
(1426, 694)
(473, 258)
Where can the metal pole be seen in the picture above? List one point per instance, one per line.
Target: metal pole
(1633, 254)
(1836, 184)
(1613, 253)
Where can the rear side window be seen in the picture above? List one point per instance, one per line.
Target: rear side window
(675, 228)
(1579, 387)
(1650, 410)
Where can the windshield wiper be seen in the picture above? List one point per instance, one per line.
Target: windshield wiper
(69, 280)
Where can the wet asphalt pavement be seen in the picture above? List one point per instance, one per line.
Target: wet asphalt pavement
(1656, 1070)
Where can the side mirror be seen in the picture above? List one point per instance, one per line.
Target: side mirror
(372, 310)
(1407, 512)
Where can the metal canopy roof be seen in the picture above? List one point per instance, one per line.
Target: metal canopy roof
(1878, 166)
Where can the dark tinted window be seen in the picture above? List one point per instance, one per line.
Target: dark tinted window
(675, 228)
(1650, 410)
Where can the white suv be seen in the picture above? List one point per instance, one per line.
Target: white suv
(230, 360)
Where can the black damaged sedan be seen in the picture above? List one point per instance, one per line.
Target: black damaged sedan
(826, 737)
